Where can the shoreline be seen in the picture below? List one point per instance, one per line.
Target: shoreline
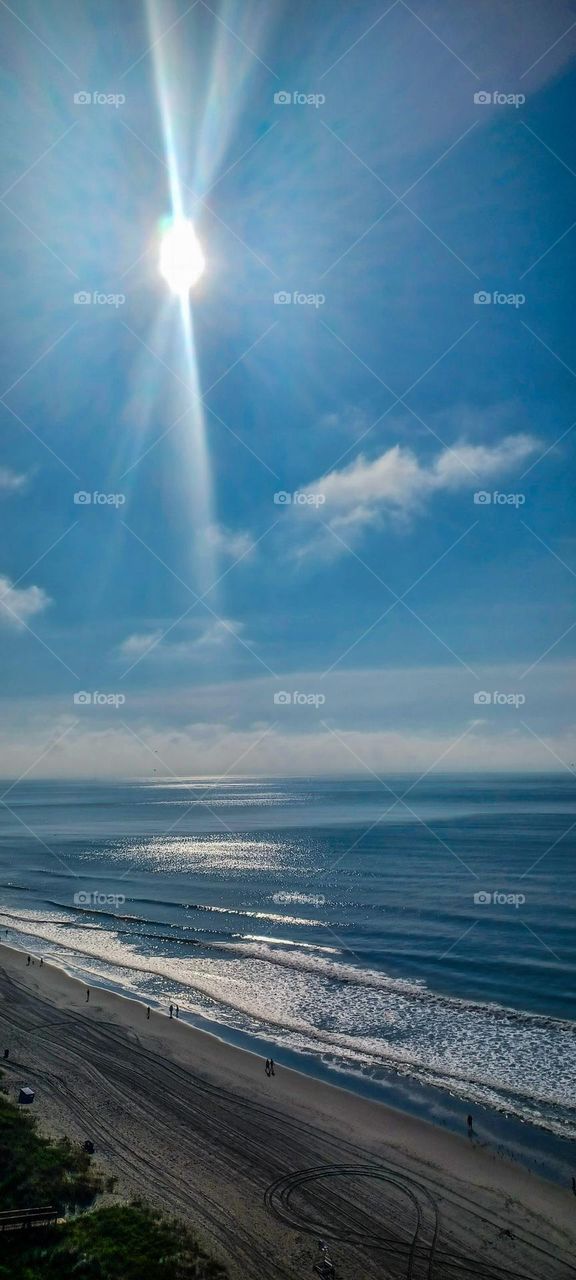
(103, 1069)
(533, 1147)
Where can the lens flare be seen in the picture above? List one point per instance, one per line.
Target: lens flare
(181, 259)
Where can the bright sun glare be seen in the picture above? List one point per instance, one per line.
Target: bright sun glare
(181, 258)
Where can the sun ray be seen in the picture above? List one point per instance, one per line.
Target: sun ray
(181, 263)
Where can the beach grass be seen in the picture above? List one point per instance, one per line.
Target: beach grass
(112, 1242)
(36, 1171)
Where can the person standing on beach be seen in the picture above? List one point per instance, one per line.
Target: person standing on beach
(177, 1011)
(148, 1014)
(28, 960)
(171, 1009)
(87, 994)
(469, 1123)
(267, 1067)
(271, 1066)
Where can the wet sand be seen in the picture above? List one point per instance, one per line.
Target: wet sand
(196, 1127)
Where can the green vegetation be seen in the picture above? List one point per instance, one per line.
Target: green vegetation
(119, 1242)
(36, 1172)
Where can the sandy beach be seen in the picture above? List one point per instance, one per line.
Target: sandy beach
(196, 1127)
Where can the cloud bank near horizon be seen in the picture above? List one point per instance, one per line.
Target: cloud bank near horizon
(404, 720)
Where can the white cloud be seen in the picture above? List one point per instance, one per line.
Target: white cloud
(11, 481)
(136, 645)
(399, 483)
(218, 632)
(481, 461)
(153, 644)
(18, 604)
(235, 544)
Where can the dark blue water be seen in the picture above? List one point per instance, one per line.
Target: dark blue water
(338, 922)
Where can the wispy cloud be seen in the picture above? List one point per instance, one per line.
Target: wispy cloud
(398, 483)
(18, 604)
(218, 632)
(11, 481)
(200, 644)
(229, 542)
(138, 643)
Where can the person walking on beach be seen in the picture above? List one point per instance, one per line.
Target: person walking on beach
(41, 962)
(28, 960)
(171, 1010)
(177, 1011)
(469, 1124)
(267, 1067)
(87, 994)
(271, 1066)
(148, 1014)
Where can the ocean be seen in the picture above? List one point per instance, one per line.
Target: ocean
(413, 940)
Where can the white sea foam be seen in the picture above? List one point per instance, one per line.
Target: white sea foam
(511, 1060)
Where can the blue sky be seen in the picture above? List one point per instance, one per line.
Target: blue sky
(381, 393)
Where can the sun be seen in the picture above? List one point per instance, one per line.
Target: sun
(181, 259)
